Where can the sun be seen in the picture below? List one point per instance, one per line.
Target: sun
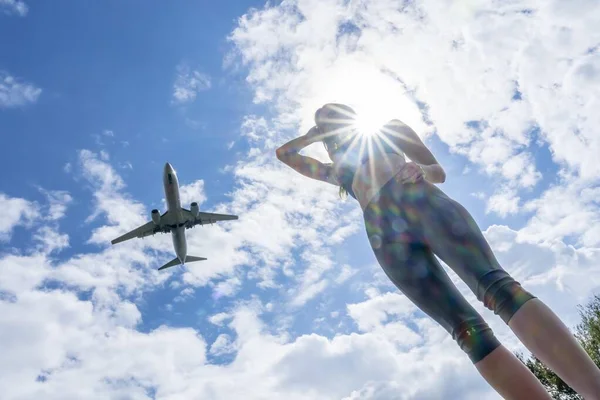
(369, 124)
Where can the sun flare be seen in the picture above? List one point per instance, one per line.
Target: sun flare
(369, 124)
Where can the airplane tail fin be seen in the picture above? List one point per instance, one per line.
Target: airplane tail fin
(176, 261)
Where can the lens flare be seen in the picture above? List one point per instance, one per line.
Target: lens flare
(369, 125)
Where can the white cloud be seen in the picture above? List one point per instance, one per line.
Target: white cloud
(16, 7)
(69, 347)
(219, 319)
(373, 312)
(184, 295)
(16, 93)
(103, 138)
(21, 274)
(222, 345)
(50, 240)
(192, 192)
(504, 202)
(566, 210)
(121, 213)
(560, 274)
(477, 55)
(228, 287)
(188, 83)
(346, 273)
(81, 351)
(479, 195)
(16, 212)
(58, 201)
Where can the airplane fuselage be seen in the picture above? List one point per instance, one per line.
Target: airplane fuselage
(171, 186)
(175, 220)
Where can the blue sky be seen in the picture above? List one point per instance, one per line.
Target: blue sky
(95, 97)
(115, 71)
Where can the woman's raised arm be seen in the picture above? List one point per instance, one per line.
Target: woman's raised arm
(289, 154)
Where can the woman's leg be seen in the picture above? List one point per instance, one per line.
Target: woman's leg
(417, 273)
(458, 241)
(545, 335)
(510, 377)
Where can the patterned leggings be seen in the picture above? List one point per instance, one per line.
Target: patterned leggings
(407, 224)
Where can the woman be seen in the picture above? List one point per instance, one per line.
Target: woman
(409, 221)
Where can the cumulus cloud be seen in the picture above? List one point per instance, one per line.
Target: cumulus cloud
(50, 240)
(58, 201)
(188, 83)
(504, 202)
(192, 192)
(14, 7)
(15, 92)
(374, 312)
(568, 210)
(222, 345)
(121, 212)
(91, 347)
(218, 319)
(16, 212)
(424, 59)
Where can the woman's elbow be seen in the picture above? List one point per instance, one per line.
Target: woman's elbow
(436, 173)
(442, 175)
(280, 154)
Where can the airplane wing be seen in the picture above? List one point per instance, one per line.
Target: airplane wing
(149, 228)
(205, 218)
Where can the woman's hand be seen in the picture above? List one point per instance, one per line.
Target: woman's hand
(313, 135)
(293, 147)
(411, 173)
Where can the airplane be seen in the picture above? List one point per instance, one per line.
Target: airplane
(175, 220)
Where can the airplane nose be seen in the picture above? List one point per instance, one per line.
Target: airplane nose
(168, 167)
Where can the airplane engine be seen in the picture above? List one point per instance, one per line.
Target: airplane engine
(155, 217)
(194, 209)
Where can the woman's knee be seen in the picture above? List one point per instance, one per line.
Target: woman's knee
(502, 294)
(475, 338)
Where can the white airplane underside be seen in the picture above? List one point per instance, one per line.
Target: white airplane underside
(175, 221)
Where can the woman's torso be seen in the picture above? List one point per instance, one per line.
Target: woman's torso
(373, 174)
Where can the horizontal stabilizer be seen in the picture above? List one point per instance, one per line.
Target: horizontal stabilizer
(194, 258)
(171, 263)
(176, 261)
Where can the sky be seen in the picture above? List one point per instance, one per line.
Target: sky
(95, 97)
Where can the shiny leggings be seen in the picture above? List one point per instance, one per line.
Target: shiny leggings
(408, 225)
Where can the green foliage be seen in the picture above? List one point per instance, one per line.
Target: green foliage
(588, 335)
(588, 331)
(558, 389)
